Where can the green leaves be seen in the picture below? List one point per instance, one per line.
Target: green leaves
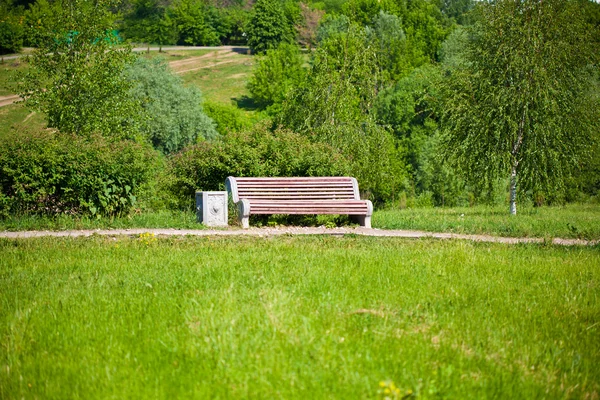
(259, 152)
(173, 115)
(76, 73)
(518, 97)
(276, 75)
(50, 172)
(269, 26)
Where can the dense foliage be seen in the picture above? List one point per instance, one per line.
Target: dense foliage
(49, 172)
(174, 117)
(276, 75)
(269, 26)
(76, 76)
(257, 152)
(11, 30)
(427, 102)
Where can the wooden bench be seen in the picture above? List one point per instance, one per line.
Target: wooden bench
(313, 195)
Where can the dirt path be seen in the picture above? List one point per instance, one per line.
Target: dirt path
(205, 61)
(265, 232)
(194, 60)
(8, 100)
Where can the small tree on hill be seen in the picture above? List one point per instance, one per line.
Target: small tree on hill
(276, 75)
(174, 114)
(269, 26)
(519, 105)
(76, 73)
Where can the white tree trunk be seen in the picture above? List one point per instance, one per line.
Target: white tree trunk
(513, 191)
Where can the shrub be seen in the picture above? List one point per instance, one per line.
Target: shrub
(259, 152)
(175, 117)
(50, 172)
(276, 75)
(228, 118)
(76, 77)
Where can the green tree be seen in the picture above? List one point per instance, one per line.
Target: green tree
(11, 29)
(193, 28)
(457, 9)
(174, 114)
(161, 30)
(277, 73)
(333, 106)
(76, 74)
(38, 22)
(519, 105)
(149, 21)
(269, 26)
(388, 36)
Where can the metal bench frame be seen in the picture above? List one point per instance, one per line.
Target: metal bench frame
(311, 195)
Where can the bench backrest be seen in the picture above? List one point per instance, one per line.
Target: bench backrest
(310, 188)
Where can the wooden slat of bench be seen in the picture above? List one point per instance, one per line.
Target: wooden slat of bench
(291, 196)
(306, 212)
(294, 189)
(295, 178)
(309, 186)
(299, 202)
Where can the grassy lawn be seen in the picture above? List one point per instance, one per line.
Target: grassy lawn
(18, 116)
(225, 83)
(8, 79)
(158, 219)
(313, 317)
(570, 221)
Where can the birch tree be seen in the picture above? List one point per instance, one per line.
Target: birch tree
(520, 104)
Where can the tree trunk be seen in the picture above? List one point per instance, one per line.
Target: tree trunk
(515, 163)
(513, 190)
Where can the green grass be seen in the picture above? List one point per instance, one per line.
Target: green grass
(570, 221)
(17, 116)
(158, 219)
(8, 75)
(225, 83)
(313, 317)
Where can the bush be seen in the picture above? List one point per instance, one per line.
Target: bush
(375, 158)
(259, 152)
(50, 172)
(228, 118)
(175, 117)
(276, 75)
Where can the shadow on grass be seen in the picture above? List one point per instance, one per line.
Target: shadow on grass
(246, 103)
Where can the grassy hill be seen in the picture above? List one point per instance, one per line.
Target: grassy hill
(221, 75)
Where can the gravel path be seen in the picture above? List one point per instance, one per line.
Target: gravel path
(265, 232)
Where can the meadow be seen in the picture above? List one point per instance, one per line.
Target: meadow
(289, 317)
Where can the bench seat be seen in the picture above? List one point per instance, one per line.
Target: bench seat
(312, 195)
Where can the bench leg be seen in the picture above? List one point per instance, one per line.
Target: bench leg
(362, 220)
(244, 213)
